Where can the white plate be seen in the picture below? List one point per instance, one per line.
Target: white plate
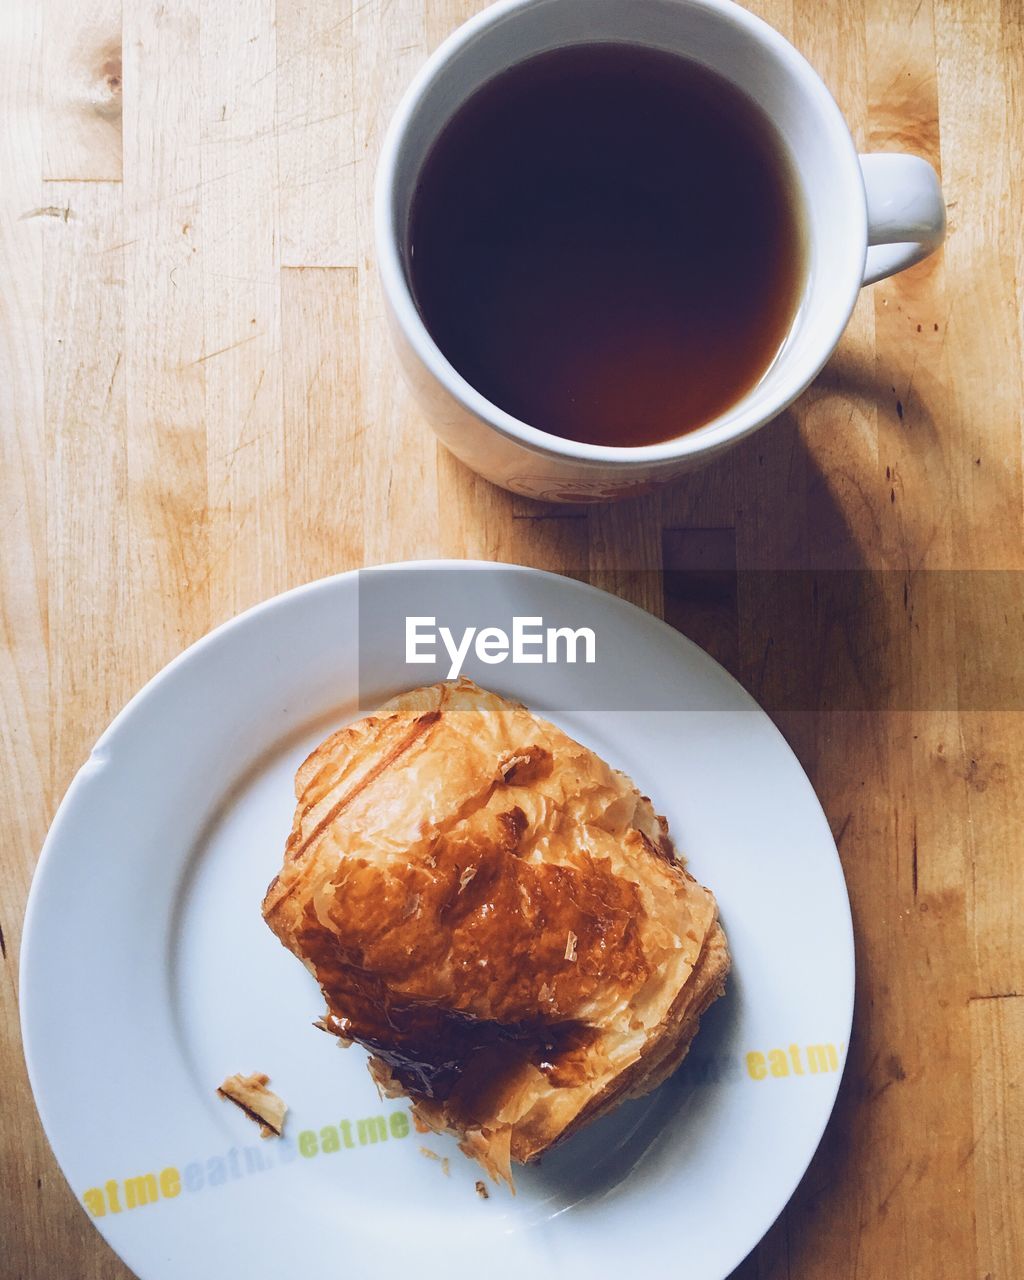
(148, 974)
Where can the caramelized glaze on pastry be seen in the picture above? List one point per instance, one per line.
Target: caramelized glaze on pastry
(497, 915)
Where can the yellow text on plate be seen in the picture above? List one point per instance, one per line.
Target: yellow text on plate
(796, 1060)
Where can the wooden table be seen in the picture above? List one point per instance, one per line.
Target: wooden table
(200, 408)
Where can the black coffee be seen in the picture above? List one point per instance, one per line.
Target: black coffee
(605, 242)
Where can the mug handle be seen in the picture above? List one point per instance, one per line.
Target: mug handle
(906, 212)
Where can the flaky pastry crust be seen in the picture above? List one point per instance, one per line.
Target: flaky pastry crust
(497, 915)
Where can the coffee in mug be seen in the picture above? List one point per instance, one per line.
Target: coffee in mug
(607, 242)
(646, 250)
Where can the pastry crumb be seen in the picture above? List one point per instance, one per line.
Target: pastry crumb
(481, 1190)
(442, 1160)
(251, 1095)
(570, 946)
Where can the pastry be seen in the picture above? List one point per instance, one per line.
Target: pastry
(251, 1095)
(497, 915)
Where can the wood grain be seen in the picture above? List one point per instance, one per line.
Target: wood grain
(86, 471)
(165, 340)
(239, 260)
(322, 420)
(199, 407)
(82, 74)
(997, 1044)
(314, 138)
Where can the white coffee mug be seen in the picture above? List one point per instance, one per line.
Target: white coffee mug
(866, 218)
